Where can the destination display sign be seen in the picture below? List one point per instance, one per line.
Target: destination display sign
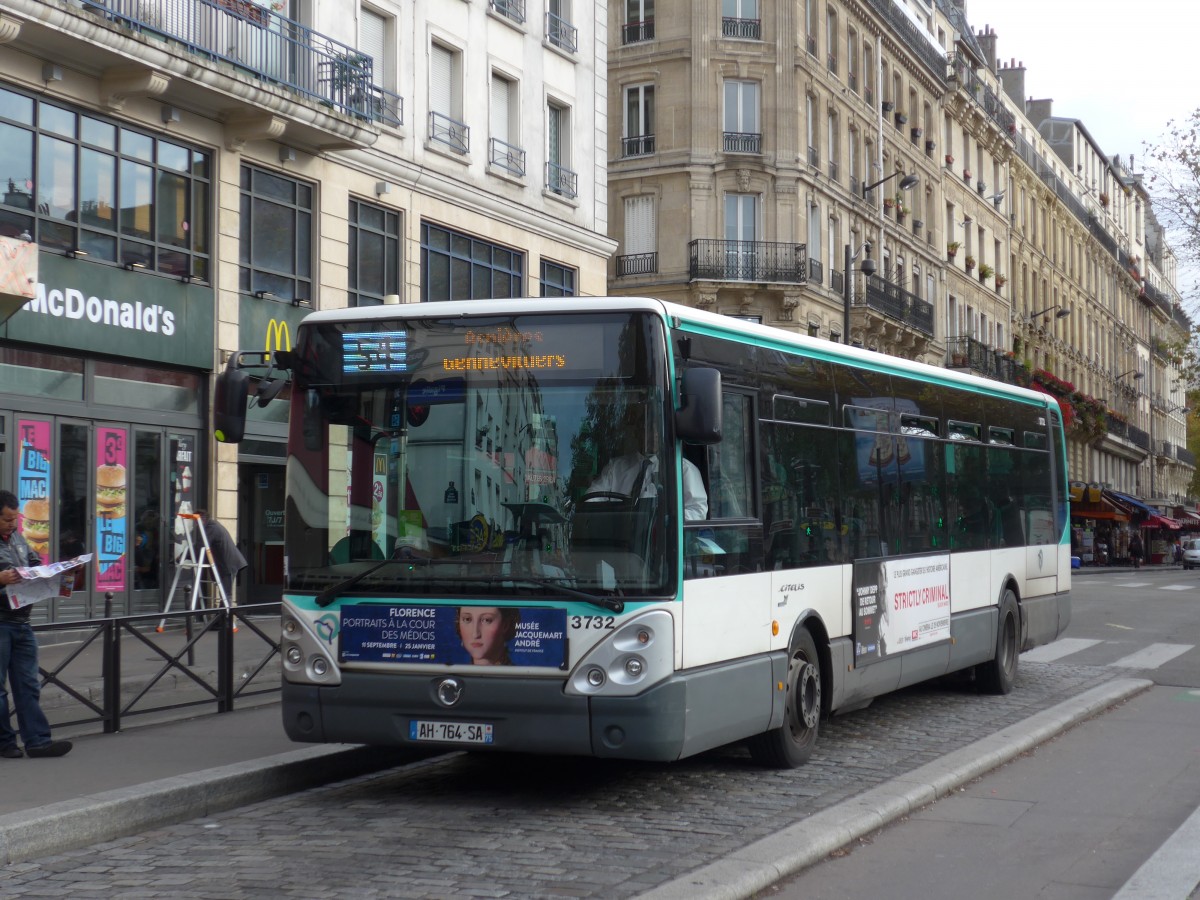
(454, 635)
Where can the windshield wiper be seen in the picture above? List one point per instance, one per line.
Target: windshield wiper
(612, 604)
(330, 594)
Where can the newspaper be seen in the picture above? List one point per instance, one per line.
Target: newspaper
(44, 582)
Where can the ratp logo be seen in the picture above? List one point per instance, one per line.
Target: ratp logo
(327, 627)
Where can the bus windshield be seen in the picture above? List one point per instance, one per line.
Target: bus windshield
(511, 456)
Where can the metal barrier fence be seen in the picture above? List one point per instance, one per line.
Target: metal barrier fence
(212, 657)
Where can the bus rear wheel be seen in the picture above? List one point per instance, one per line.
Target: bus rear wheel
(792, 744)
(998, 675)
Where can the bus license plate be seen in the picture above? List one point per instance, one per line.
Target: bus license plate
(451, 732)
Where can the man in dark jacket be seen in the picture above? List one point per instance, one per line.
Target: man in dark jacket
(19, 649)
(226, 555)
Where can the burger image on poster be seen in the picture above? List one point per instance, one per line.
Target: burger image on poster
(110, 491)
(35, 526)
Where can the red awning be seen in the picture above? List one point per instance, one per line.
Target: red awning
(1159, 521)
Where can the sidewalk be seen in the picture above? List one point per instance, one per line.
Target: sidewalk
(116, 784)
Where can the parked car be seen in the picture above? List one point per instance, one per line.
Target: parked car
(1191, 553)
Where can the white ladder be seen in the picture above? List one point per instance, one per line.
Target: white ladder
(196, 559)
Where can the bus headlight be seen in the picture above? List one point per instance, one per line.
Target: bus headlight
(307, 658)
(635, 656)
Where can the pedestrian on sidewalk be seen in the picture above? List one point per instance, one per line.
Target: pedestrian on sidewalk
(1135, 550)
(226, 555)
(19, 649)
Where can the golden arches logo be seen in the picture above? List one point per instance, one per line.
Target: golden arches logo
(278, 334)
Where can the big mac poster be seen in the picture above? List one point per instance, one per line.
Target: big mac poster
(110, 508)
(33, 485)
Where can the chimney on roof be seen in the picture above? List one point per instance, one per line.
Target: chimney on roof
(987, 42)
(1038, 111)
(1012, 77)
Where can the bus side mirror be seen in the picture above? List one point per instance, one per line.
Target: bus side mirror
(698, 419)
(229, 403)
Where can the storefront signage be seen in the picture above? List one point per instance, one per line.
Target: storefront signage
(111, 511)
(900, 604)
(33, 485)
(83, 306)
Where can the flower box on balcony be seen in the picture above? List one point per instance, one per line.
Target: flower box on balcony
(888, 106)
(952, 249)
(916, 133)
(967, 175)
(901, 117)
(930, 146)
(970, 263)
(985, 272)
(1001, 280)
(949, 159)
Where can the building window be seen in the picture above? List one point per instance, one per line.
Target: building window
(505, 104)
(558, 280)
(76, 182)
(640, 256)
(639, 121)
(445, 100)
(561, 179)
(740, 19)
(457, 266)
(276, 235)
(831, 40)
(742, 133)
(639, 21)
(559, 30)
(374, 270)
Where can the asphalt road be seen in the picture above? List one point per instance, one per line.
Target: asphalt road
(501, 826)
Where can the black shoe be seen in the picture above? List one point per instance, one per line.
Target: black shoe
(12, 752)
(54, 748)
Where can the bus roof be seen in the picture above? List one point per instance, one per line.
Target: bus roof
(676, 314)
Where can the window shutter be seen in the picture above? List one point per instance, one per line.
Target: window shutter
(639, 225)
(441, 81)
(500, 89)
(373, 42)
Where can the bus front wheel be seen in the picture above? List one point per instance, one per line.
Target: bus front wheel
(998, 675)
(792, 744)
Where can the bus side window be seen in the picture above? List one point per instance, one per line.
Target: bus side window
(730, 470)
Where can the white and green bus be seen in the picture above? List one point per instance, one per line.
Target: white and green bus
(623, 528)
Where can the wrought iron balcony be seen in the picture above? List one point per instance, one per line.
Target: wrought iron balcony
(507, 157)
(1139, 438)
(637, 264)
(979, 91)
(762, 261)
(747, 29)
(742, 142)
(909, 34)
(966, 352)
(637, 145)
(450, 132)
(510, 9)
(561, 33)
(1184, 455)
(562, 181)
(637, 32)
(816, 271)
(898, 304)
(260, 43)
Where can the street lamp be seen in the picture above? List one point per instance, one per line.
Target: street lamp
(867, 268)
(1062, 313)
(1134, 372)
(907, 183)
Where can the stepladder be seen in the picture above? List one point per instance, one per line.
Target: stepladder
(199, 565)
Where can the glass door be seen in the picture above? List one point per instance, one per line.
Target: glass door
(163, 465)
(260, 531)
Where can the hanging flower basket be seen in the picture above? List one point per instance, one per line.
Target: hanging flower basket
(970, 263)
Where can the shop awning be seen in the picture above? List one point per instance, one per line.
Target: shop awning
(1189, 519)
(1133, 504)
(1101, 508)
(1157, 520)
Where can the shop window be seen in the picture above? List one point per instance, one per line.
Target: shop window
(374, 254)
(276, 236)
(109, 193)
(456, 266)
(558, 280)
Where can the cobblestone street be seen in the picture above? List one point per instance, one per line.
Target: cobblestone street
(531, 827)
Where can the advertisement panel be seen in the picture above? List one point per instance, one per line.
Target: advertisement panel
(112, 447)
(455, 635)
(900, 604)
(33, 485)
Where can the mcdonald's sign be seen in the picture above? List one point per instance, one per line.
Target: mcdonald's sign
(279, 336)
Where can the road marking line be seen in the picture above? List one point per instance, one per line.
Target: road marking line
(1058, 649)
(1178, 587)
(1122, 627)
(1152, 657)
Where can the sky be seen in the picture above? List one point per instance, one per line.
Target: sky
(1124, 70)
